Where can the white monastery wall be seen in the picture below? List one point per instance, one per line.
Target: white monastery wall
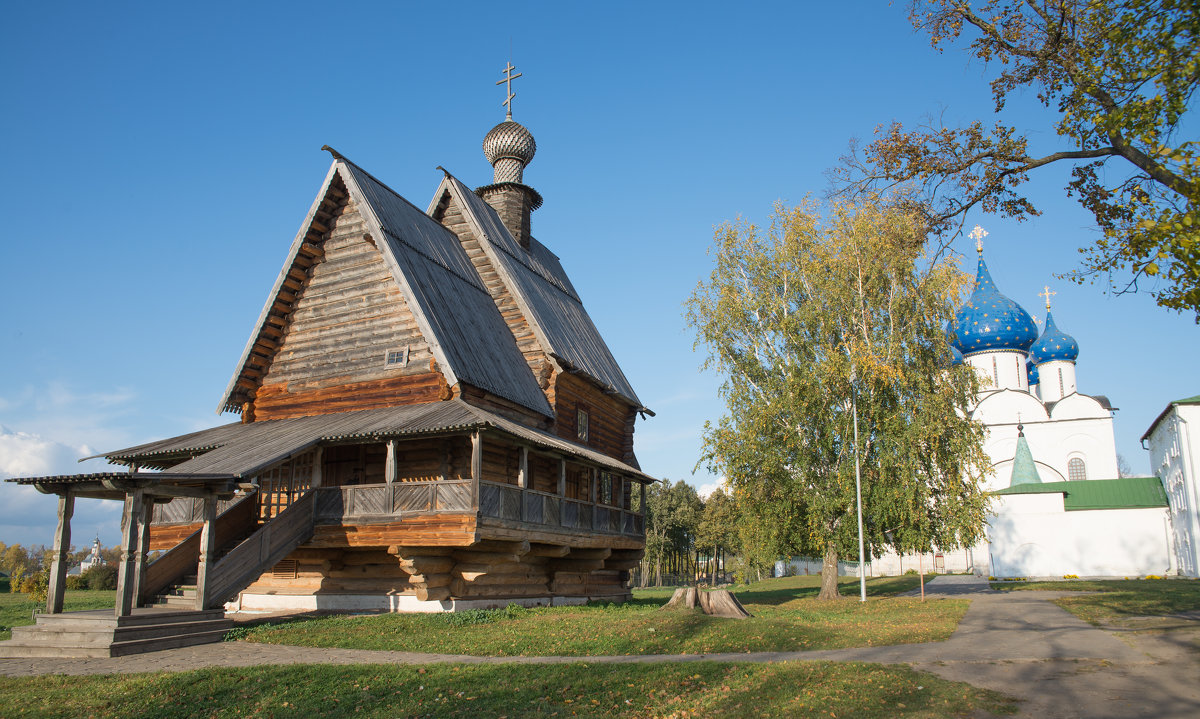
(1174, 445)
(1032, 536)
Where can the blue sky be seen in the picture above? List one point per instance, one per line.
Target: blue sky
(161, 157)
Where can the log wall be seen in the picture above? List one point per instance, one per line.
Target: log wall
(610, 419)
(348, 314)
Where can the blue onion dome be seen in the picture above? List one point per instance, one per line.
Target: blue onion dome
(1031, 370)
(1054, 344)
(991, 321)
(956, 357)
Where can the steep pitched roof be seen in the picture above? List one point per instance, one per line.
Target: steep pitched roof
(453, 309)
(545, 294)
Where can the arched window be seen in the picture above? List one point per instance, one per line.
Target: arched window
(1076, 469)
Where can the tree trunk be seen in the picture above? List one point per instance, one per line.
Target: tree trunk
(829, 575)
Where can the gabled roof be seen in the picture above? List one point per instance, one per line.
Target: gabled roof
(453, 309)
(243, 450)
(1165, 412)
(1123, 493)
(543, 292)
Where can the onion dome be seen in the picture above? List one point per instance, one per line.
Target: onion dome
(509, 147)
(991, 321)
(1054, 344)
(1031, 370)
(956, 357)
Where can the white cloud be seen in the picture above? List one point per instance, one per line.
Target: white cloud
(28, 516)
(705, 490)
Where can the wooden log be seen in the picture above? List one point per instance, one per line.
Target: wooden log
(601, 553)
(415, 552)
(519, 548)
(426, 565)
(431, 594)
(464, 568)
(431, 580)
(549, 550)
(463, 555)
(467, 590)
(576, 565)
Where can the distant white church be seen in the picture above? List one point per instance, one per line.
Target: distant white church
(1060, 507)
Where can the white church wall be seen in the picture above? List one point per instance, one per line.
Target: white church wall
(1031, 536)
(1056, 379)
(1174, 443)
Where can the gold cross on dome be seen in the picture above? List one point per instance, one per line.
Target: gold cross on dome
(978, 234)
(1047, 294)
(508, 78)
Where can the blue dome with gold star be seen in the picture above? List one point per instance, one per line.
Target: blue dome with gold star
(991, 321)
(1031, 370)
(1054, 344)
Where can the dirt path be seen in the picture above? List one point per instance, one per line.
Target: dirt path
(1017, 643)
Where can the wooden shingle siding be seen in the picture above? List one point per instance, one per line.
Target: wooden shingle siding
(345, 320)
(277, 402)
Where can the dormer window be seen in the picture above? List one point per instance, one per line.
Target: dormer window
(581, 425)
(397, 358)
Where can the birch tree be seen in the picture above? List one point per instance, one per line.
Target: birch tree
(803, 318)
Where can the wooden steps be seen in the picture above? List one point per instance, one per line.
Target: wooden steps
(99, 633)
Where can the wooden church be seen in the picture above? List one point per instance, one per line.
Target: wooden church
(430, 421)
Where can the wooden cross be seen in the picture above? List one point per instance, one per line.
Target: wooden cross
(508, 78)
(1047, 294)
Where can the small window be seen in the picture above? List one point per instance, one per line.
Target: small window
(397, 358)
(581, 425)
(1076, 469)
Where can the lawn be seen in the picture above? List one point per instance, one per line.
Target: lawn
(17, 609)
(699, 689)
(787, 617)
(1116, 601)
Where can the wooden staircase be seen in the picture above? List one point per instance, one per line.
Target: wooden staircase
(99, 633)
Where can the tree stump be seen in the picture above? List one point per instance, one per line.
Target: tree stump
(717, 603)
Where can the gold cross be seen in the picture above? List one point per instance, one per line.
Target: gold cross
(1047, 295)
(508, 78)
(978, 234)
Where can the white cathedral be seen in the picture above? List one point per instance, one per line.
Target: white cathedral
(1060, 507)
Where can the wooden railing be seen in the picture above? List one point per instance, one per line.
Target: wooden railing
(181, 560)
(261, 551)
(386, 501)
(504, 501)
(186, 510)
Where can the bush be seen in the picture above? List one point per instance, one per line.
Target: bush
(4, 585)
(37, 586)
(76, 582)
(100, 577)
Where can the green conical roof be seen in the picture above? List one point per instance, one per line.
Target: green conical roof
(1024, 471)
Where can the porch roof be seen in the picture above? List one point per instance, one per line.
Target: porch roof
(244, 450)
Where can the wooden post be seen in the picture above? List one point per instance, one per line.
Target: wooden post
(143, 551)
(643, 498)
(208, 550)
(389, 466)
(592, 482)
(523, 470)
(318, 458)
(562, 477)
(476, 464)
(62, 550)
(127, 572)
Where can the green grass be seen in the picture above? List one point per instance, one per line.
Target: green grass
(17, 610)
(698, 689)
(786, 618)
(1115, 601)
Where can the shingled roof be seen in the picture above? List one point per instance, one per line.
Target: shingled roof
(243, 450)
(453, 309)
(547, 298)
